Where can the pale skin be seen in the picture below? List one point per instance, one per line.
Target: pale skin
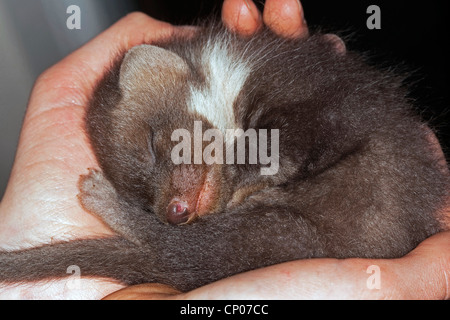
(40, 204)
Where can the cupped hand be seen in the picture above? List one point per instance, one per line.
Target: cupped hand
(40, 205)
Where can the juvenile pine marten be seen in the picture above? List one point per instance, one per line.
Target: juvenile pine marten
(350, 171)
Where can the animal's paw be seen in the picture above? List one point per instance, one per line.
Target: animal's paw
(99, 197)
(96, 192)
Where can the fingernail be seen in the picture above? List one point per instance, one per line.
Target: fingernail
(252, 10)
(302, 12)
(302, 15)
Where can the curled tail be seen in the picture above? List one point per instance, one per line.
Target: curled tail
(106, 258)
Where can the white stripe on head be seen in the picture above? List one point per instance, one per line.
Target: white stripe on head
(225, 77)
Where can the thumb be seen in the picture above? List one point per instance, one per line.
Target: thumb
(152, 291)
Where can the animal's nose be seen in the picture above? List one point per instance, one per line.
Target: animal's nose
(177, 212)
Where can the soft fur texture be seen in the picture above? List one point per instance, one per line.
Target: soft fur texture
(357, 177)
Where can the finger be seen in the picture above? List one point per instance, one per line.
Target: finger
(151, 291)
(425, 272)
(241, 16)
(285, 18)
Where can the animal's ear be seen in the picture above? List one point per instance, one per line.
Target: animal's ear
(336, 43)
(150, 67)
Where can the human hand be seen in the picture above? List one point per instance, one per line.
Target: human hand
(40, 205)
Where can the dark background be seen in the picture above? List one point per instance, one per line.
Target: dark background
(33, 36)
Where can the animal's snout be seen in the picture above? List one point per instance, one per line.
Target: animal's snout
(195, 192)
(178, 212)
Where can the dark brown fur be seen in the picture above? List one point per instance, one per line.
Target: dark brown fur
(357, 177)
